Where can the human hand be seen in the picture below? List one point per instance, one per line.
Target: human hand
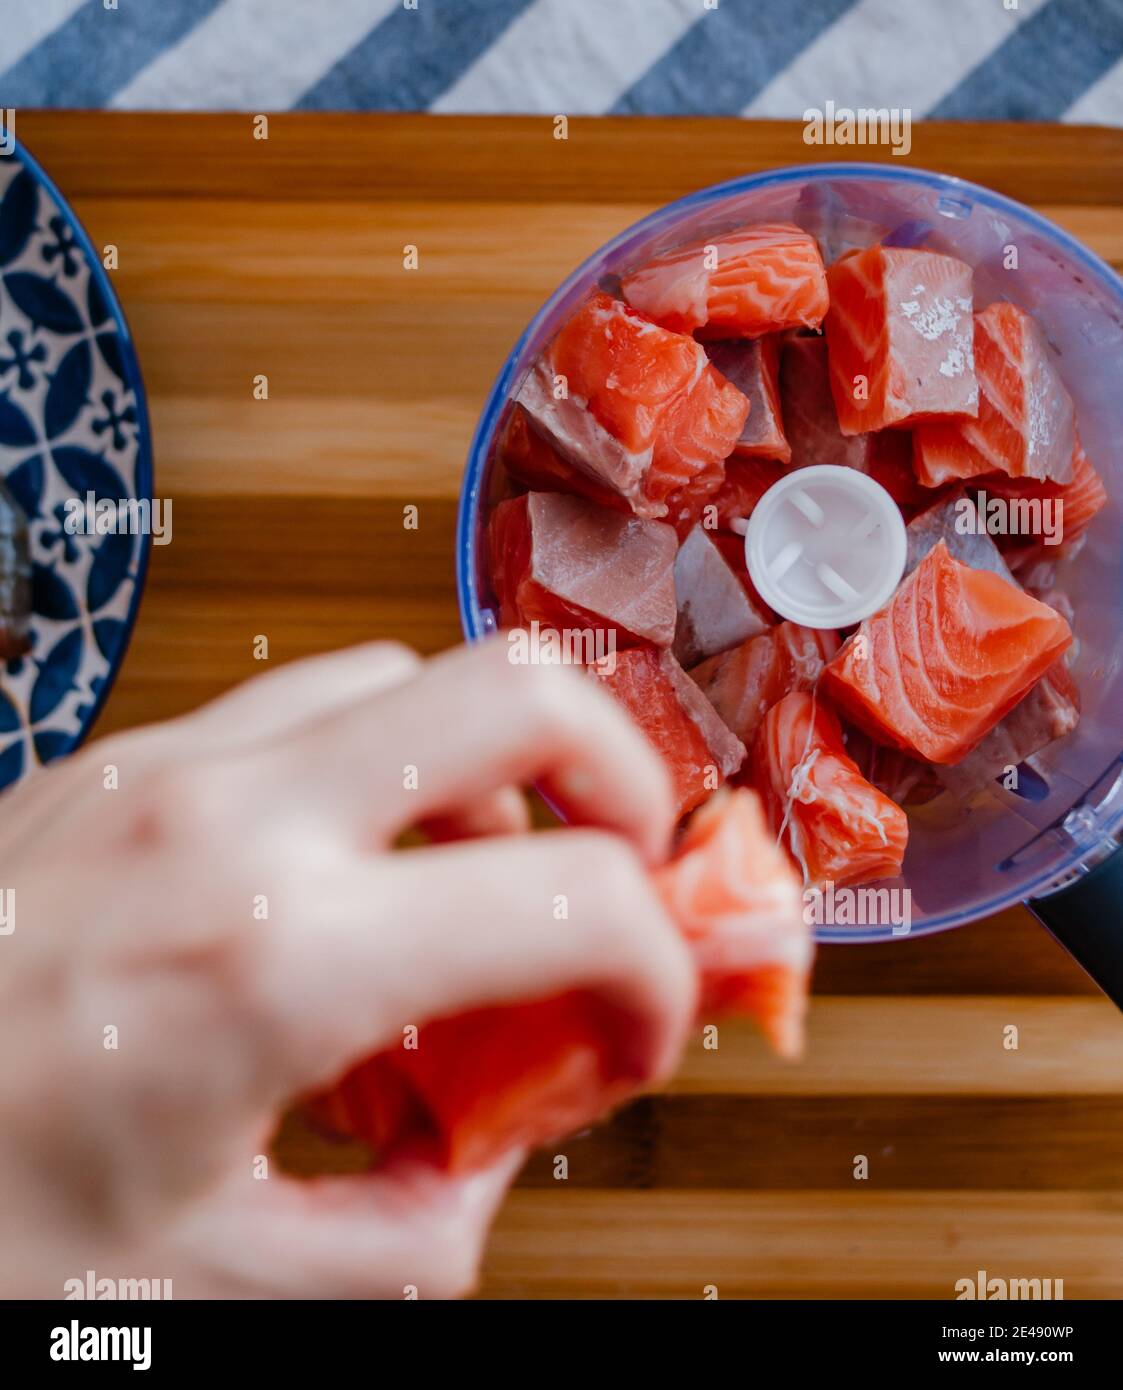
(135, 912)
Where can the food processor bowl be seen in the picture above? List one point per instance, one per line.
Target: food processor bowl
(1056, 844)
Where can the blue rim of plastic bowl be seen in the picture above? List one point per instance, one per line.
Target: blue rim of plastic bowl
(466, 569)
(143, 484)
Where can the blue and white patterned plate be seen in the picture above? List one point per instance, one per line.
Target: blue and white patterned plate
(73, 421)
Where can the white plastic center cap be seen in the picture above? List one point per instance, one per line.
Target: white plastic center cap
(825, 546)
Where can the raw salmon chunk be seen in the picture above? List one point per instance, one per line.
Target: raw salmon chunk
(1039, 580)
(685, 730)
(637, 408)
(530, 460)
(947, 522)
(744, 684)
(739, 285)
(949, 655)
(564, 562)
(811, 424)
(838, 827)
(753, 366)
(746, 482)
(737, 900)
(810, 417)
(715, 610)
(1072, 506)
(891, 466)
(483, 1082)
(900, 337)
(732, 547)
(1048, 712)
(903, 779)
(1025, 425)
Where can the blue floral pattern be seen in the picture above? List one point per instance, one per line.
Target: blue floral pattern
(72, 421)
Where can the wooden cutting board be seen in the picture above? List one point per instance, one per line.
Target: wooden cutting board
(240, 256)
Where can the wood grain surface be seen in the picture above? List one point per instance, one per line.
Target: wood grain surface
(240, 256)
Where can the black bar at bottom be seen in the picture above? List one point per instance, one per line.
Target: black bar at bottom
(324, 1340)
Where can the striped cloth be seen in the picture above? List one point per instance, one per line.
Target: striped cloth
(980, 59)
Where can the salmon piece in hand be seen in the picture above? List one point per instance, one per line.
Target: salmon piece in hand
(736, 898)
(483, 1082)
(742, 284)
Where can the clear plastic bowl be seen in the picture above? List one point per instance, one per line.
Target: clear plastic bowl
(961, 864)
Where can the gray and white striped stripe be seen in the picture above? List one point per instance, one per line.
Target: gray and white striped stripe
(1044, 59)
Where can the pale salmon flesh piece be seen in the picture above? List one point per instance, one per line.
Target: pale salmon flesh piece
(741, 284)
(814, 434)
(638, 408)
(949, 655)
(744, 683)
(900, 336)
(696, 747)
(1048, 712)
(534, 462)
(715, 610)
(946, 521)
(904, 780)
(564, 562)
(839, 828)
(810, 417)
(1081, 499)
(753, 366)
(1025, 426)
